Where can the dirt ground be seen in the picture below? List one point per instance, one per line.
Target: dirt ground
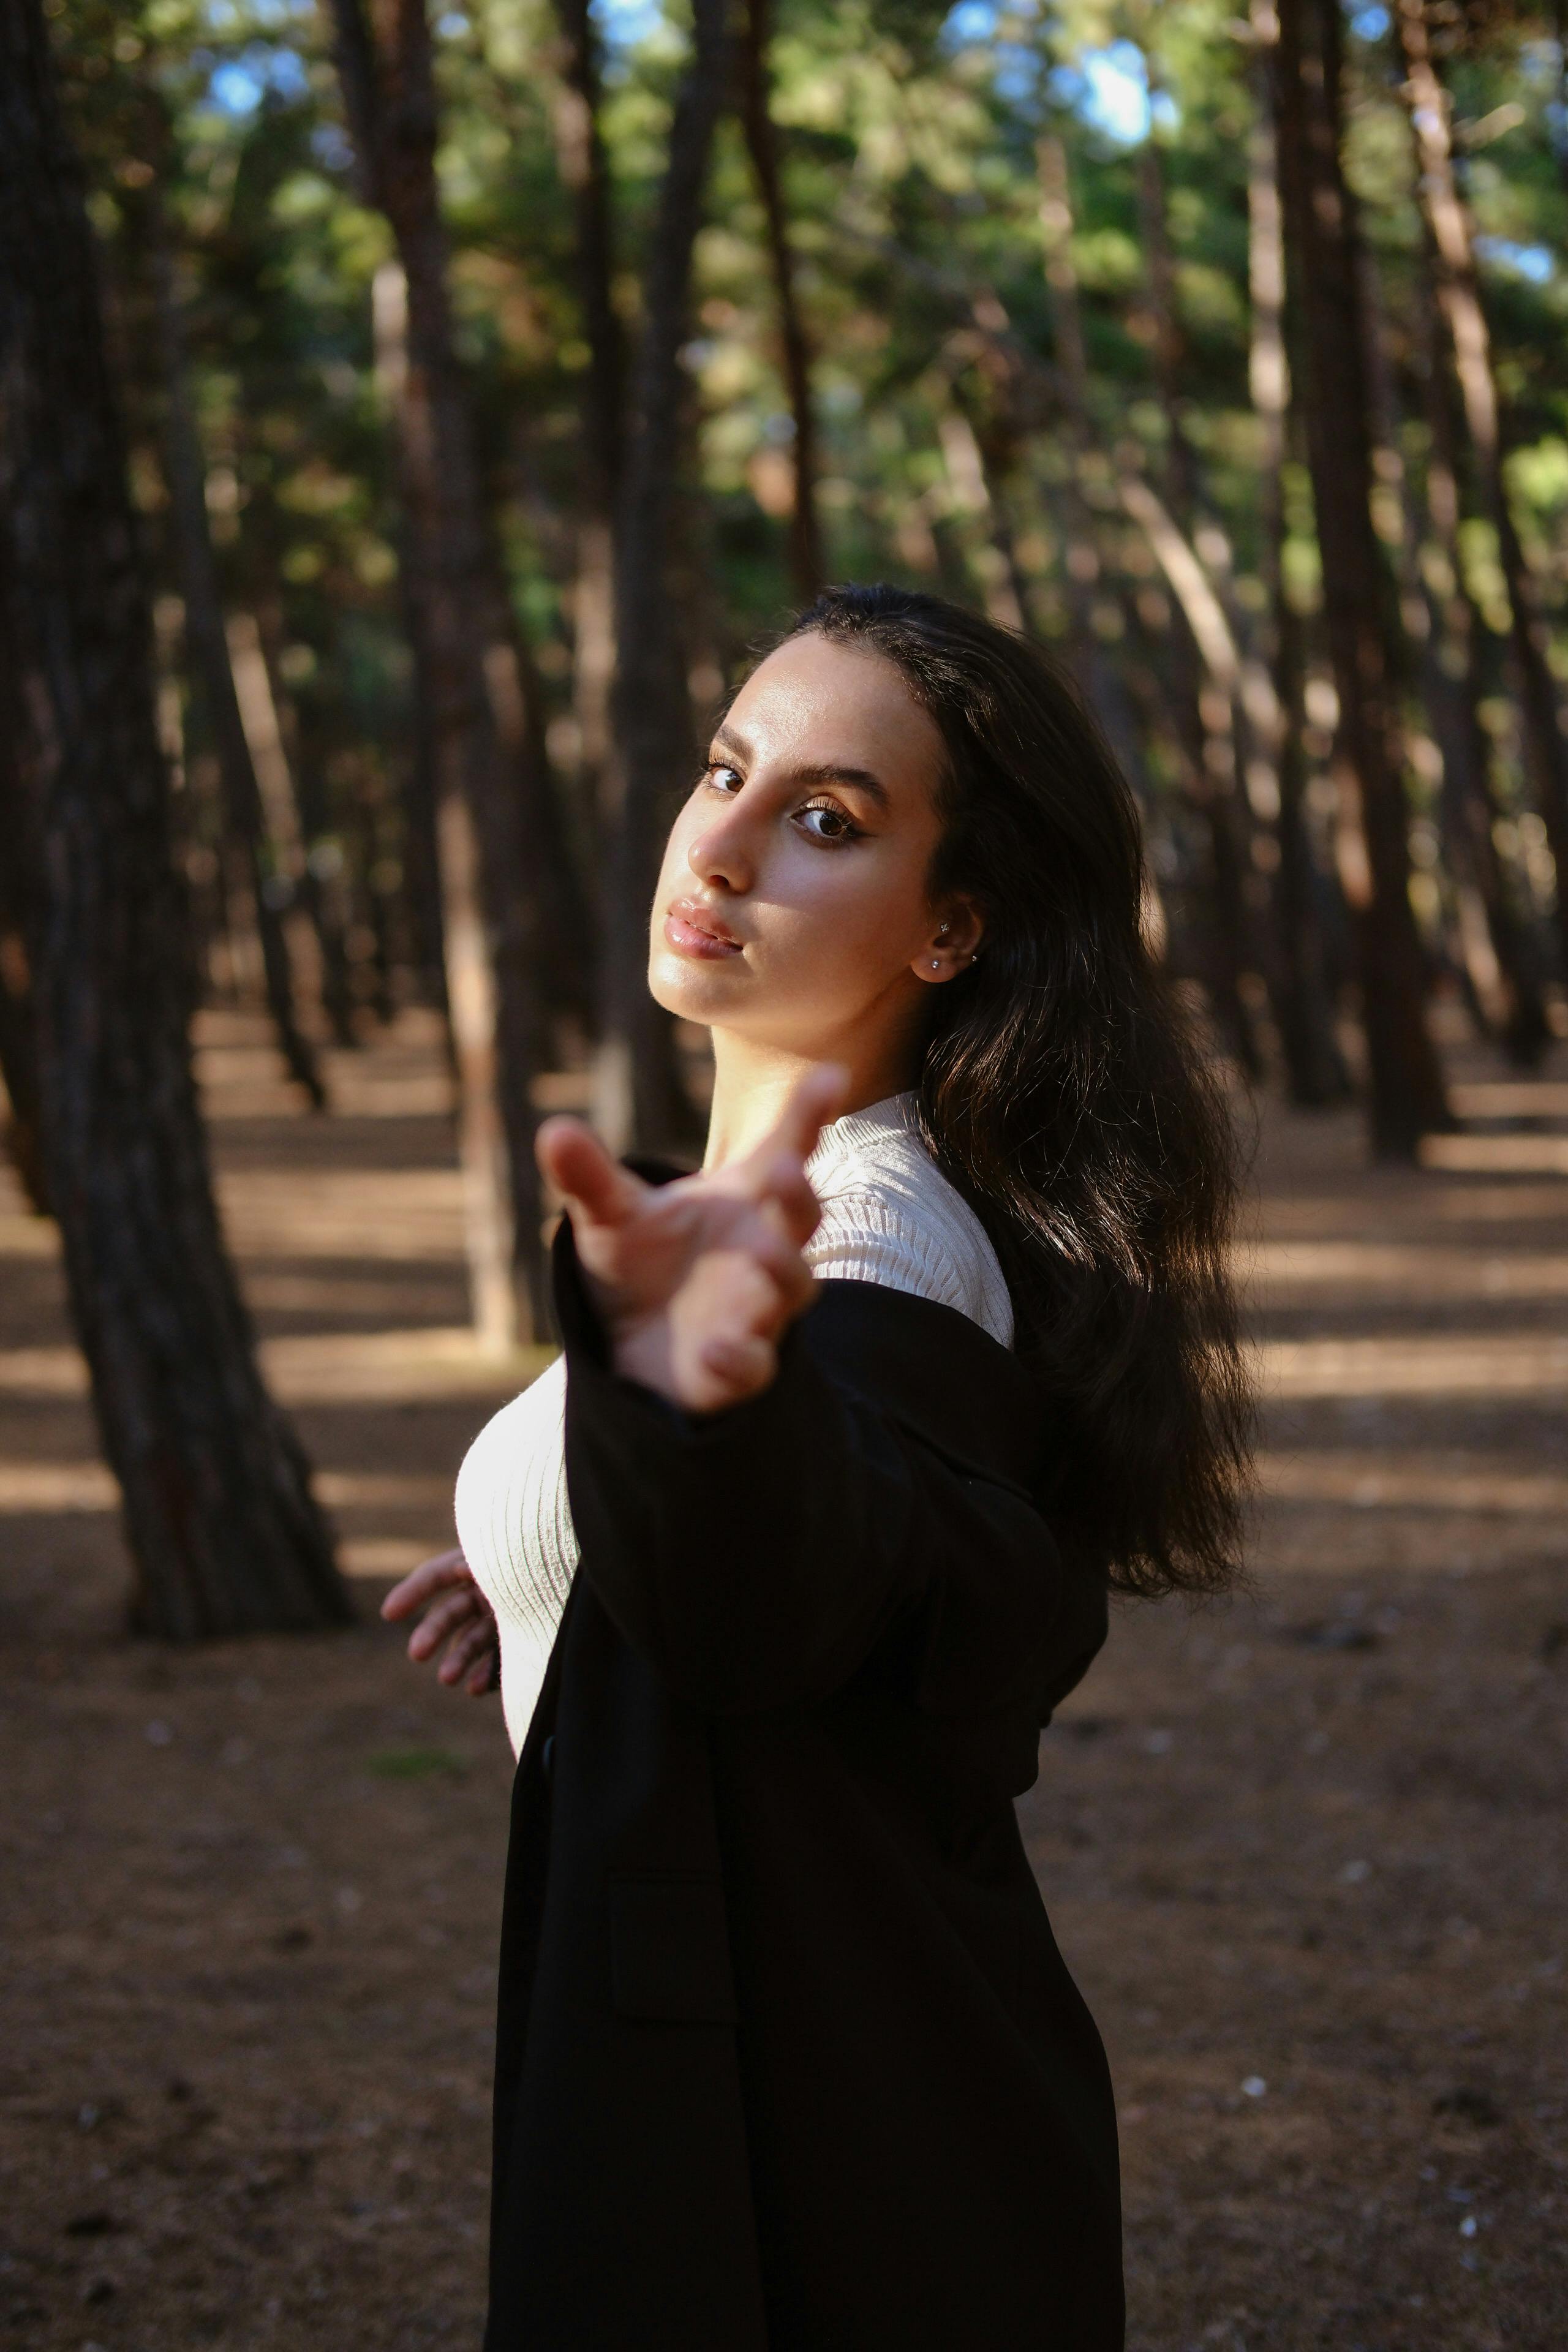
(1305, 1852)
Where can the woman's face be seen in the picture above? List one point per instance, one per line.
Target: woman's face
(792, 904)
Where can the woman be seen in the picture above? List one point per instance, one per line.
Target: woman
(787, 2056)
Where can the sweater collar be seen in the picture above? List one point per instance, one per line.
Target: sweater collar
(894, 1115)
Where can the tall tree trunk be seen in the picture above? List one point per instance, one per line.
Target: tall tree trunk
(1541, 715)
(1315, 1070)
(418, 788)
(1495, 952)
(640, 1100)
(489, 882)
(763, 143)
(1407, 1097)
(584, 167)
(21, 1135)
(222, 1526)
(1080, 543)
(1166, 343)
(1460, 686)
(208, 650)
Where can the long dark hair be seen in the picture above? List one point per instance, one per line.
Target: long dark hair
(1064, 1093)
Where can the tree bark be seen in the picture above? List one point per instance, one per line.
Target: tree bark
(762, 145)
(1459, 293)
(208, 651)
(1494, 950)
(641, 1102)
(1314, 1068)
(222, 1526)
(21, 1135)
(1459, 684)
(1406, 1095)
(585, 168)
(492, 944)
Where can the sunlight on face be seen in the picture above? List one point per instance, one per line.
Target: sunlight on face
(792, 904)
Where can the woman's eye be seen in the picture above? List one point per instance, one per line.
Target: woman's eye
(825, 821)
(717, 771)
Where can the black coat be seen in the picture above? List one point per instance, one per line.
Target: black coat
(787, 2058)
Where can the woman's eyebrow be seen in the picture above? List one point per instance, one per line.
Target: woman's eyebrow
(816, 772)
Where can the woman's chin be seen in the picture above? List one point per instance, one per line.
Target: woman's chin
(694, 988)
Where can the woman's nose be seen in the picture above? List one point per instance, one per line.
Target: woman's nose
(719, 853)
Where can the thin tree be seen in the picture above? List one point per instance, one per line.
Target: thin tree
(1322, 235)
(224, 1532)
(762, 145)
(584, 165)
(1542, 716)
(211, 660)
(640, 1098)
(1082, 570)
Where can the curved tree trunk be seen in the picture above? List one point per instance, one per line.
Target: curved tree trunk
(1203, 703)
(222, 1525)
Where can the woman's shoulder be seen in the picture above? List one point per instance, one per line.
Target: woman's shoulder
(889, 1215)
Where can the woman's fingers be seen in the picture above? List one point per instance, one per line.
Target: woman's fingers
(431, 1576)
(486, 1676)
(776, 1168)
(783, 1185)
(458, 1609)
(743, 1366)
(474, 1641)
(588, 1180)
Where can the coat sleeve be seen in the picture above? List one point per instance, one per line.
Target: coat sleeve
(758, 1556)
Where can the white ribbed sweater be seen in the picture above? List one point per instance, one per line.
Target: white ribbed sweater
(887, 1216)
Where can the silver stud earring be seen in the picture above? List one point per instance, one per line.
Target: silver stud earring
(935, 965)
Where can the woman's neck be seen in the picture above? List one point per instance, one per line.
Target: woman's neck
(752, 1082)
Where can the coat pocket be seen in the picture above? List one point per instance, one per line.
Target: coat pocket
(669, 1950)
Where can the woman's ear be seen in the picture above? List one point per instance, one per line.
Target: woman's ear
(954, 943)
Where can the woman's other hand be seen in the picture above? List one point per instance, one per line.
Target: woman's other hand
(698, 1279)
(460, 1617)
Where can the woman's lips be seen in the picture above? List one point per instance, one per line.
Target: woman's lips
(691, 931)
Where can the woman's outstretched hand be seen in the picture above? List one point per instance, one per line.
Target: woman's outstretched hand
(698, 1280)
(460, 1617)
